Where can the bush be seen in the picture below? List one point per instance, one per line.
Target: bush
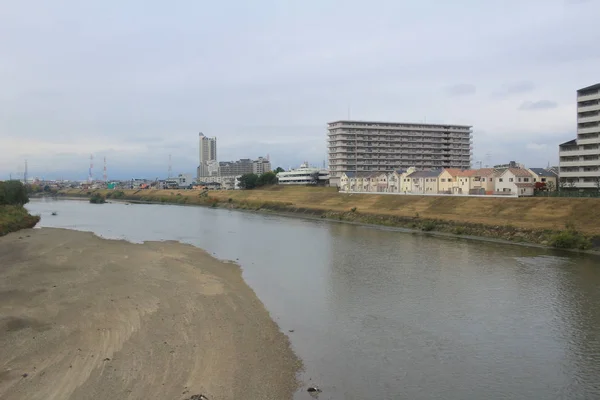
(118, 194)
(570, 239)
(97, 198)
(14, 218)
(428, 226)
(353, 209)
(459, 230)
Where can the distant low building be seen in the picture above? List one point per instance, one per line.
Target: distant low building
(304, 175)
(224, 182)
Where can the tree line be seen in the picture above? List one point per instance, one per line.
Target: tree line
(13, 193)
(251, 181)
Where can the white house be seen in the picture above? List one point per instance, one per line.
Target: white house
(514, 181)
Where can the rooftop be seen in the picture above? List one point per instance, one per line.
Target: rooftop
(596, 86)
(569, 143)
(425, 174)
(519, 172)
(543, 172)
(346, 121)
(484, 172)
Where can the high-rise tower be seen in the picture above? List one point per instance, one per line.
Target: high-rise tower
(208, 165)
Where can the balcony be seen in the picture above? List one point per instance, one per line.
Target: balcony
(586, 163)
(593, 140)
(592, 118)
(590, 129)
(588, 97)
(578, 174)
(593, 107)
(589, 152)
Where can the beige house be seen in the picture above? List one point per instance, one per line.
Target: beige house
(547, 177)
(483, 180)
(448, 183)
(355, 181)
(424, 182)
(405, 184)
(393, 180)
(465, 181)
(379, 182)
(514, 181)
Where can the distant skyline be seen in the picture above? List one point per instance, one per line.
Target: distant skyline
(136, 81)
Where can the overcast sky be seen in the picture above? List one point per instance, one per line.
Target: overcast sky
(135, 81)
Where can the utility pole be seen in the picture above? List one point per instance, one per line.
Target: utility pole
(104, 174)
(91, 176)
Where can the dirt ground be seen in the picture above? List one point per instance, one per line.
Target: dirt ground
(86, 318)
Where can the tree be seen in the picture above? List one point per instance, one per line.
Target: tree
(268, 178)
(540, 186)
(278, 170)
(550, 186)
(248, 181)
(13, 193)
(314, 178)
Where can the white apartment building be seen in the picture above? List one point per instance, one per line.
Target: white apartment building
(367, 146)
(261, 165)
(580, 157)
(208, 165)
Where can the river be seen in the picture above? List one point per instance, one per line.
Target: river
(383, 314)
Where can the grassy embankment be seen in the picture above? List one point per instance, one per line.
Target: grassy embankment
(14, 218)
(558, 222)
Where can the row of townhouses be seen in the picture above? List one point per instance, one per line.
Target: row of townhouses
(452, 181)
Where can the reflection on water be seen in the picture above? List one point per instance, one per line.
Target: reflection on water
(379, 314)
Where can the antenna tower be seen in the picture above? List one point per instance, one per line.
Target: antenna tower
(25, 173)
(104, 174)
(170, 167)
(91, 177)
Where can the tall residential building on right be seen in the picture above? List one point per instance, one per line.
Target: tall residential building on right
(368, 146)
(208, 165)
(580, 158)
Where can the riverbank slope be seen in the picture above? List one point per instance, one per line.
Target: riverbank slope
(14, 218)
(534, 219)
(83, 317)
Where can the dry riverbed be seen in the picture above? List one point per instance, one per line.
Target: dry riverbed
(87, 318)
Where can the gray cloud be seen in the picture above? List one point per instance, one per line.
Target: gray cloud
(102, 78)
(461, 89)
(515, 88)
(538, 105)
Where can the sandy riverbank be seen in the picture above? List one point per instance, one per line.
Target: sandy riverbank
(86, 318)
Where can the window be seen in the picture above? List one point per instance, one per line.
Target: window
(426, 180)
(543, 180)
(500, 180)
(443, 180)
(525, 179)
(510, 179)
(520, 179)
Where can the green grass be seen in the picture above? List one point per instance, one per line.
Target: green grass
(14, 218)
(570, 239)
